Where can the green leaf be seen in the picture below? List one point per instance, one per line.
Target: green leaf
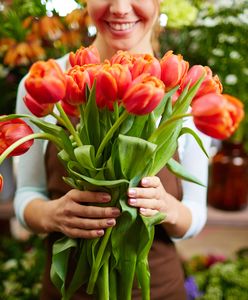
(81, 273)
(165, 150)
(137, 127)
(60, 256)
(180, 172)
(133, 155)
(183, 102)
(107, 183)
(163, 106)
(194, 134)
(85, 155)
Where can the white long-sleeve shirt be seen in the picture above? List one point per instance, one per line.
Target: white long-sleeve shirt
(31, 176)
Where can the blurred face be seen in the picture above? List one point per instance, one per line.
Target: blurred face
(123, 24)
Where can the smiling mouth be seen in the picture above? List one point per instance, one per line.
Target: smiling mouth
(121, 26)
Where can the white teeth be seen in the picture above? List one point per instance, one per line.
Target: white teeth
(121, 27)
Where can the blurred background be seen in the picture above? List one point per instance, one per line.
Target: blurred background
(213, 33)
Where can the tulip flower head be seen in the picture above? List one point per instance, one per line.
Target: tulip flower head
(36, 108)
(111, 84)
(12, 131)
(217, 115)
(143, 95)
(210, 84)
(46, 82)
(77, 80)
(173, 70)
(83, 56)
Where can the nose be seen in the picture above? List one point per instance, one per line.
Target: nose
(120, 7)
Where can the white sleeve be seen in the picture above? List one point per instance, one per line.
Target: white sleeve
(30, 167)
(196, 163)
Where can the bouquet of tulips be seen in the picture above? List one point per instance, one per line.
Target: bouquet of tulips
(130, 112)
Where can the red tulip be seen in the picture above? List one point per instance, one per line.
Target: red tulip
(10, 132)
(77, 79)
(83, 56)
(173, 70)
(46, 82)
(210, 84)
(217, 115)
(36, 108)
(145, 63)
(144, 95)
(112, 83)
(71, 110)
(1, 183)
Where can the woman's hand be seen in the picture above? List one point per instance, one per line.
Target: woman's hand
(71, 216)
(152, 198)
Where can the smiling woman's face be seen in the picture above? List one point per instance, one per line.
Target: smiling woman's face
(124, 24)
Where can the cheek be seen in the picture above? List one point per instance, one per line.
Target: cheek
(148, 11)
(96, 10)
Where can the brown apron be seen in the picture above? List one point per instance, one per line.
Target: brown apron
(167, 279)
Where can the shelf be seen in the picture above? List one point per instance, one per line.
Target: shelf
(227, 218)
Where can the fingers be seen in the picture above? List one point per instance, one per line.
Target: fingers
(87, 228)
(87, 196)
(149, 198)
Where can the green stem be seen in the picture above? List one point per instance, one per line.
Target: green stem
(69, 125)
(160, 129)
(44, 136)
(110, 133)
(96, 266)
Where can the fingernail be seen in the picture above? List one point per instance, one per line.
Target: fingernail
(100, 232)
(104, 197)
(145, 181)
(132, 201)
(132, 192)
(111, 222)
(142, 209)
(115, 212)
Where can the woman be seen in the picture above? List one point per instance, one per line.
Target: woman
(125, 25)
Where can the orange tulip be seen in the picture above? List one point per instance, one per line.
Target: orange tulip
(173, 70)
(10, 132)
(112, 83)
(210, 84)
(77, 79)
(144, 95)
(217, 115)
(83, 56)
(46, 82)
(123, 58)
(36, 108)
(145, 63)
(1, 183)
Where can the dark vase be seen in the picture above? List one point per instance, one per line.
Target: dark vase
(228, 178)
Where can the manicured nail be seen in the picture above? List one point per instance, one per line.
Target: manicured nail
(111, 222)
(104, 197)
(142, 209)
(131, 192)
(100, 232)
(115, 212)
(145, 181)
(132, 201)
